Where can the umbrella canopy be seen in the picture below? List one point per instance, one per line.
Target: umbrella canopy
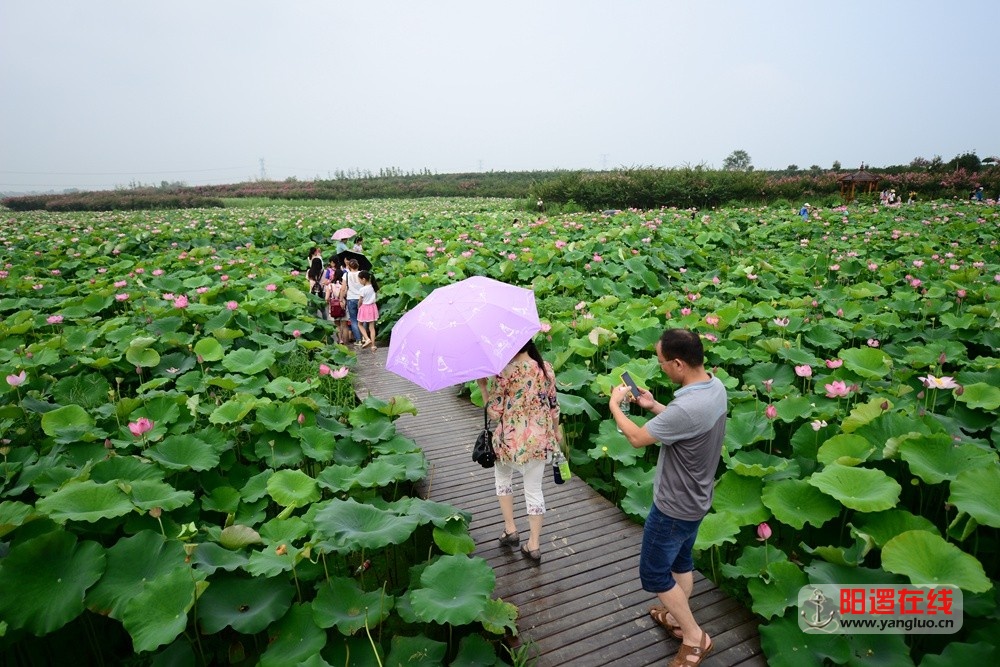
(343, 233)
(364, 263)
(464, 331)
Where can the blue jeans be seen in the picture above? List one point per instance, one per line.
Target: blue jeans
(666, 548)
(352, 315)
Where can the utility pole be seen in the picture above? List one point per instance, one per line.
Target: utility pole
(480, 165)
(263, 172)
(604, 161)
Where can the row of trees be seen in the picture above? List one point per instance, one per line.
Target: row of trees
(739, 160)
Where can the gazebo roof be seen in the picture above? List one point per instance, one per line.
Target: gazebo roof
(862, 176)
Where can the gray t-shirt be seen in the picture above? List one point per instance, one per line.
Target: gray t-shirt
(691, 429)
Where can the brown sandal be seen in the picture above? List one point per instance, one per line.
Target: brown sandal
(698, 653)
(659, 614)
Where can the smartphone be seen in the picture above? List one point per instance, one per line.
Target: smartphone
(633, 387)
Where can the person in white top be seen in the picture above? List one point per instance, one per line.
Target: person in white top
(353, 294)
(368, 309)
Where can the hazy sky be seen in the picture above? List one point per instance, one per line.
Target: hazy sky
(100, 93)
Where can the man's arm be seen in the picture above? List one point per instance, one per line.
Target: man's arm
(637, 436)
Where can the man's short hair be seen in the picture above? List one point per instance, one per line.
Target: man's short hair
(684, 345)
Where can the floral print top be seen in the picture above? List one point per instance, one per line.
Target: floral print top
(523, 406)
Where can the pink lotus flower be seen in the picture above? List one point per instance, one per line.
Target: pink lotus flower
(580, 306)
(840, 312)
(301, 419)
(17, 380)
(340, 373)
(546, 327)
(181, 301)
(324, 370)
(836, 389)
(873, 342)
(121, 297)
(781, 321)
(232, 305)
(960, 293)
(834, 363)
(872, 266)
(932, 382)
(804, 371)
(712, 320)
(915, 282)
(560, 244)
(715, 280)
(168, 296)
(598, 258)
(296, 333)
(271, 287)
(685, 311)
(763, 532)
(120, 283)
(768, 384)
(770, 412)
(817, 424)
(140, 426)
(54, 319)
(201, 290)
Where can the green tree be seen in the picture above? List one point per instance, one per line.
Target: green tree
(968, 161)
(836, 165)
(738, 160)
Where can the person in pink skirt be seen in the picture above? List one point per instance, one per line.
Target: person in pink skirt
(367, 309)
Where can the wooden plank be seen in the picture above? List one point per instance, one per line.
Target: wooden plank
(583, 605)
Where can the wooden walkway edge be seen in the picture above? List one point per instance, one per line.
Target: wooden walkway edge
(583, 605)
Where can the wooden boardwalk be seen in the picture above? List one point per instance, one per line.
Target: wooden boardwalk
(583, 605)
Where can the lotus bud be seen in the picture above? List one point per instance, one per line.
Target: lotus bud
(943, 358)
(959, 390)
(884, 406)
(155, 512)
(301, 419)
(763, 532)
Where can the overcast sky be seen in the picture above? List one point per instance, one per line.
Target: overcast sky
(101, 93)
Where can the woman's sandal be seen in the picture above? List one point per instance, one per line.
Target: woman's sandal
(689, 656)
(533, 554)
(659, 614)
(510, 540)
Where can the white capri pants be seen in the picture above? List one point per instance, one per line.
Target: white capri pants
(531, 474)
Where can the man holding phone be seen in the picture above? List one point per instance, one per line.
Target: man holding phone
(689, 430)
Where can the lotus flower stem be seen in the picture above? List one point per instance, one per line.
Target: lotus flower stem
(374, 648)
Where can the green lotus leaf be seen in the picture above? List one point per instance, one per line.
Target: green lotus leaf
(454, 590)
(379, 473)
(617, 446)
(795, 502)
(184, 452)
(247, 361)
(419, 651)
(292, 488)
(375, 430)
(955, 653)
(144, 357)
(342, 603)
(977, 493)
(845, 449)
(638, 485)
(86, 501)
(413, 464)
(740, 497)
(785, 645)
(294, 640)
(209, 349)
(233, 410)
(398, 444)
(754, 561)
(755, 463)
(935, 458)
(980, 395)
(770, 599)
(571, 404)
(283, 387)
(273, 561)
(862, 489)
(868, 362)
(927, 559)
(781, 374)
(87, 390)
(429, 511)
(794, 408)
(14, 514)
(237, 537)
(68, 419)
(246, 604)
(256, 486)
(210, 557)
(499, 617)
(317, 443)
(745, 428)
(864, 413)
(716, 528)
(131, 563)
(474, 651)
(394, 407)
(158, 614)
(831, 573)
(44, 580)
(847, 556)
(454, 537)
(338, 478)
(276, 416)
(352, 526)
(147, 494)
(223, 499)
(883, 526)
(279, 450)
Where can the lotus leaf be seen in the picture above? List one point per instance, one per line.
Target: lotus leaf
(754, 561)
(86, 501)
(210, 557)
(44, 580)
(740, 497)
(14, 514)
(295, 639)
(158, 614)
(237, 536)
(292, 488)
(616, 445)
(86, 390)
(184, 452)
(413, 464)
(453, 538)
(830, 573)
(781, 591)
(379, 473)
(419, 651)
(69, 419)
(927, 559)
(864, 413)
(352, 526)
(787, 646)
(278, 531)
(571, 404)
(454, 590)
(794, 408)
(279, 450)
(147, 494)
(638, 498)
(233, 410)
(276, 416)
(716, 528)
(868, 362)
(845, 449)
(745, 428)
(862, 489)
(883, 526)
(980, 395)
(246, 604)
(474, 651)
(955, 653)
(282, 387)
(398, 444)
(977, 492)
(935, 458)
(846, 556)
(342, 603)
(755, 463)
(273, 561)
(247, 361)
(795, 502)
(223, 499)
(429, 511)
(338, 478)
(131, 563)
(209, 349)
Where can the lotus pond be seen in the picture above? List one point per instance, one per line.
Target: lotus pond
(188, 476)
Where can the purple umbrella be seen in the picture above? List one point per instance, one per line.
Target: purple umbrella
(461, 332)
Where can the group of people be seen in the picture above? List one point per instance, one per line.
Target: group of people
(689, 431)
(350, 295)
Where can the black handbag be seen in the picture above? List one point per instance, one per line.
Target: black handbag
(482, 452)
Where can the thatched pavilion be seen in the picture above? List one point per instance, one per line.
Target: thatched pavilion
(861, 180)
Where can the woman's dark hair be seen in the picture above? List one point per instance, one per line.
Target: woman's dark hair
(684, 345)
(367, 275)
(533, 352)
(313, 250)
(352, 264)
